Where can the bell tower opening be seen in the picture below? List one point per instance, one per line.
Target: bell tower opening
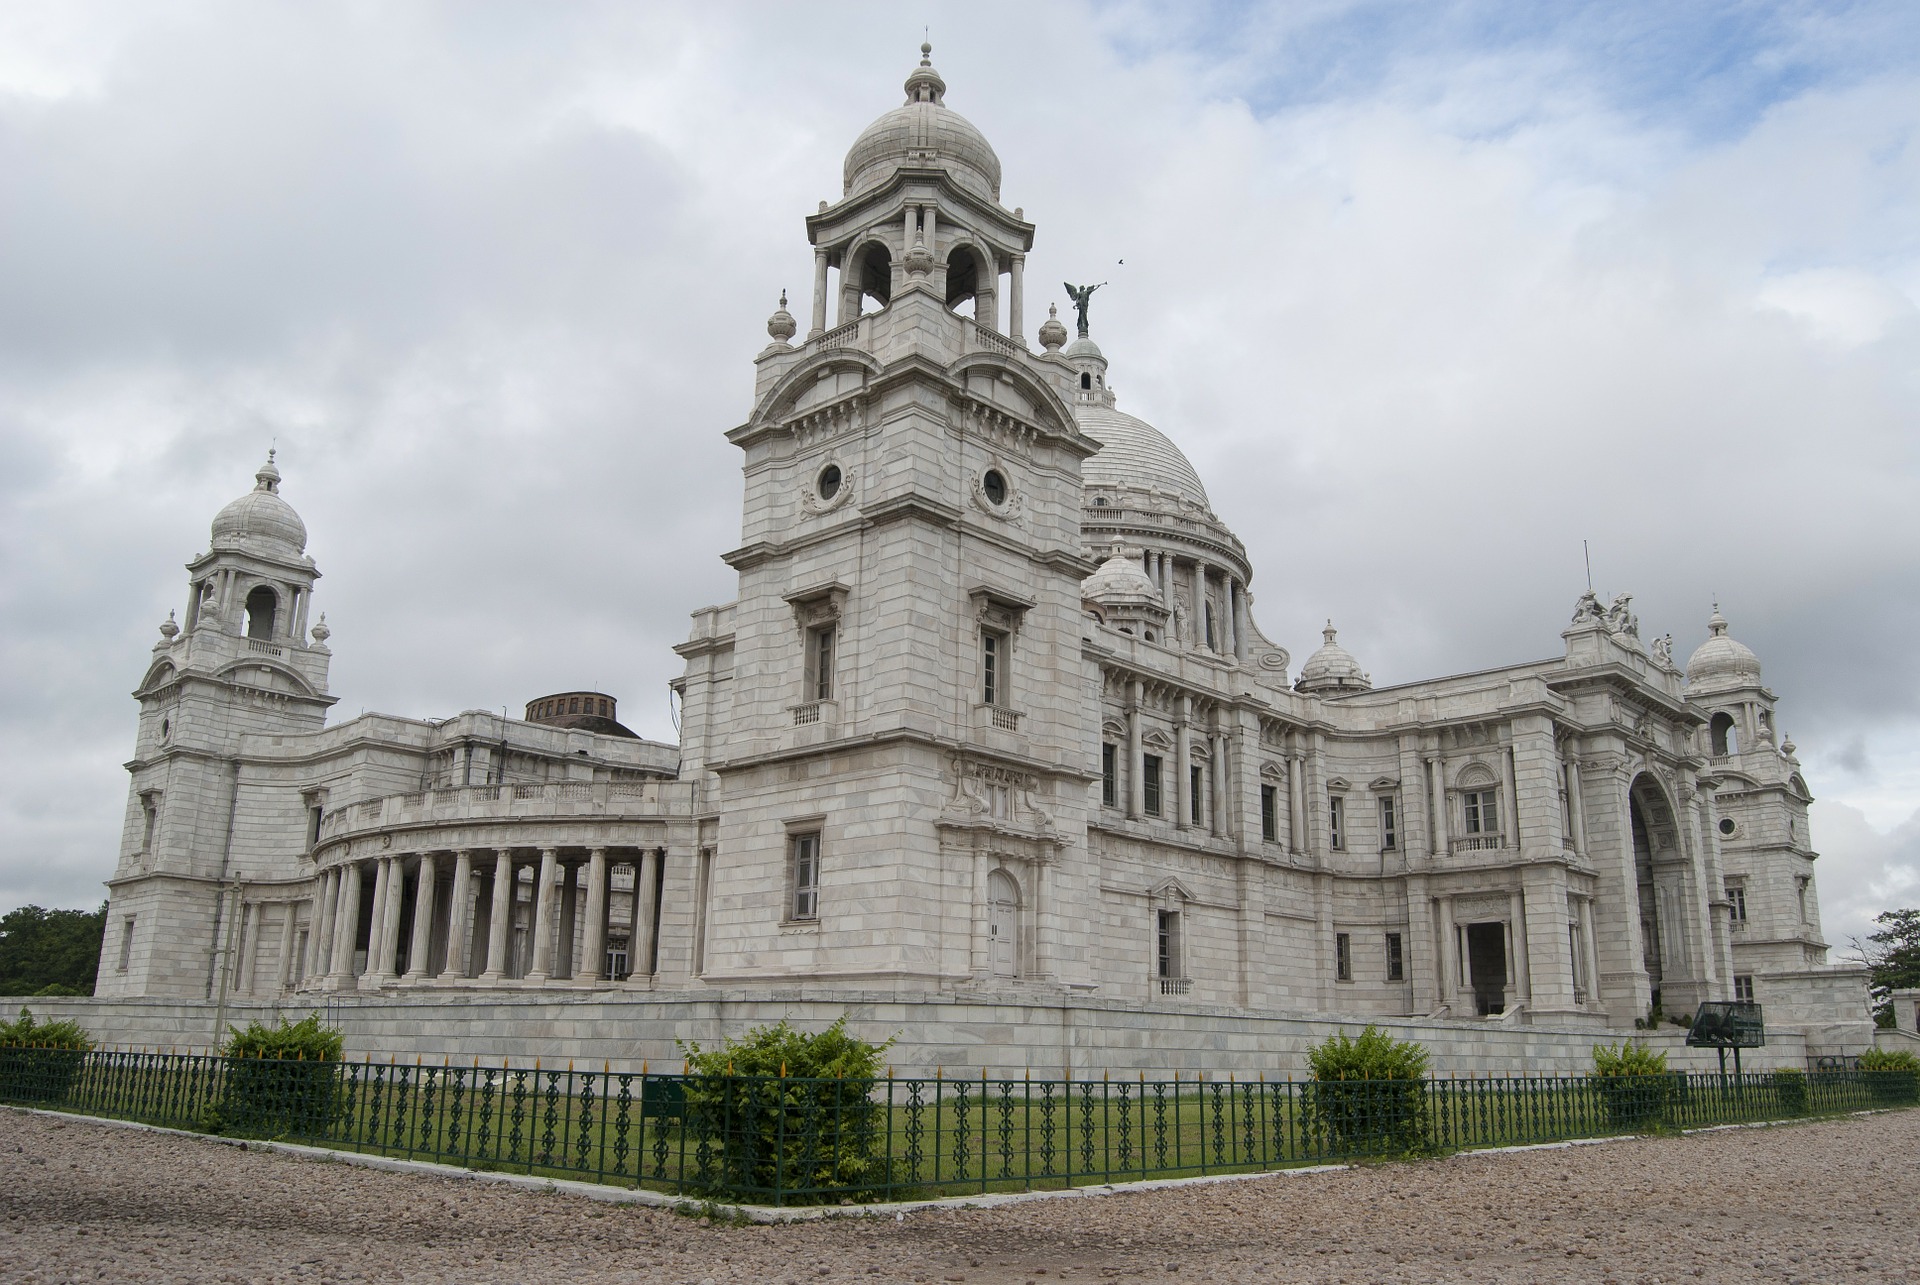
(263, 604)
(873, 270)
(963, 276)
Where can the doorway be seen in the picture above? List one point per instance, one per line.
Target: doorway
(1487, 967)
(1003, 925)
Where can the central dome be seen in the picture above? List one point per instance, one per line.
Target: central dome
(923, 132)
(1134, 454)
(261, 515)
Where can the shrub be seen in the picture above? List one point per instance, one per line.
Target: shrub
(1789, 1090)
(281, 1080)
(1367, 1095)
(783, 1110)
(39, 1060)
(1633, 1083)
(1893, 1076)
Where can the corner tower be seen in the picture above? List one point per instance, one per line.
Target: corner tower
(244, 663)
(890, 716)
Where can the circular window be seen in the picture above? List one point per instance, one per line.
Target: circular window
(1726, 825)
(995, 486)
(829, 481)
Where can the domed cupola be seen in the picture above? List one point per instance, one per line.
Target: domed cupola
(1721, 661)
(260, 520)
(1332, 668)
(923, 133)
(1122, 596)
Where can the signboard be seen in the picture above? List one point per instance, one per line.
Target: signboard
(1725, 1024)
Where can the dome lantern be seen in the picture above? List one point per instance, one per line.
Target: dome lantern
(1332, 669)
(261, 518)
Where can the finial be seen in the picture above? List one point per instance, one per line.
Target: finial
(168, 628)
(320, 631)
(926, 53)
(781, 325)
(1717, 623)
(1329, 633)
(1052, 333)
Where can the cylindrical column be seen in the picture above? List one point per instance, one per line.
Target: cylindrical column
(1183, 764)
(593, 962)
(1239, 621)
(931, 215)
(1217, 741)
(285, 977)
(1230, 609)
(1206, 630)
(423, 895)
(909, 224)
(459, 915)
(819, 292)
(377, 924)
(1017, 301)
(646, 915)
(566, 933)
(394, 876)
(1577, 805)
(1136, 759)
(1437, 805)
(500, 922)
(545, 922)
(346, 927)
(320, 941)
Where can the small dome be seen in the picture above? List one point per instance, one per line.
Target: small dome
(1085, 348)
(261, 515)
(1332, 668)
(1720, 661)
(923, 132)
(1120, 579)
(1134, 454)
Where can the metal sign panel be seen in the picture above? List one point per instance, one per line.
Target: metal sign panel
(1727, 1024)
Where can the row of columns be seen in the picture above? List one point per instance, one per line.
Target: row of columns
(1230, 625)
(1176, 787)
(919, 223)
(247, 954)
(479, 919)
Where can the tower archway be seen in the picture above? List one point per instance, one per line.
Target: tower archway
(1656, 838)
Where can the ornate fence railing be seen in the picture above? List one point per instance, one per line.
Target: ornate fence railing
(779, 1140)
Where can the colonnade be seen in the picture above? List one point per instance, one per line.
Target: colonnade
(463, 922)
(1229, 635)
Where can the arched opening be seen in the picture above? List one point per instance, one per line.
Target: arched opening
(963, 276)
(1726, 740)
(262, 605)
(1003, 924)
(1086, 380)
(1656, 883)
(873, 272)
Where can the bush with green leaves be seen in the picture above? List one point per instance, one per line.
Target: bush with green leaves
(1893, 1075)
(39, 1060)
(779, 1109)
(281, 1080)
(1789, 1090)
(1367, 1095)
(1633, 1083)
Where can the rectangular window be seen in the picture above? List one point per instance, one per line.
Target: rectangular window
(803, 876)
(1269, 814)
(126, 942)
(1196, 793)
(153, 817)
(1389, 827)
(1737, 894)
(1482, 811)
(1150, 783)
(1336, 822)
(1743, 988)
(993, 662)
(314, 816)
(1396, 961)
(1110, 775)
(1800, 886)
(1343, 957)
(1167, 944)
(820, 644)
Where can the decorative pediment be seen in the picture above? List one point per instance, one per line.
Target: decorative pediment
(1114, 729)
(1170, 889)
(997, 608)
(1474, 775)
(819, 604)
(1157, 739)
(1384, 784)
(1273, 771)
(1339, 784)
(993, 796)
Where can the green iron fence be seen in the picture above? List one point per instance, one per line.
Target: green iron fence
(779, 1140)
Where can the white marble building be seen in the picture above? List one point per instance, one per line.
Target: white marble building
(989, 724)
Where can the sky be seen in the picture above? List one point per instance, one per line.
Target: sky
(1429, 293)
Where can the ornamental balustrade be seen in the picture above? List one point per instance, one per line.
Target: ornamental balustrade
(787, 1140)
(617, 799)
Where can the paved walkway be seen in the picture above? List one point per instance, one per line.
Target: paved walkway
(1814, 1202)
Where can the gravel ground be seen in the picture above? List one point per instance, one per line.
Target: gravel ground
(1812, 1202)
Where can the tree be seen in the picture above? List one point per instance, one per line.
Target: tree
(50, 952)
(1893, 956)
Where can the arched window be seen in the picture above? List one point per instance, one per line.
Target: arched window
(1086, 380)
(963, 276)
(874, 273)
(262, 605)
(1725, 740)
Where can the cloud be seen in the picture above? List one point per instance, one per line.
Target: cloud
(1428, 295)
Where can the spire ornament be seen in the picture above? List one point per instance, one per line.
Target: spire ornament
(1081, 296)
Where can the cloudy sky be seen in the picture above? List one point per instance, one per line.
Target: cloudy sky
(1429, 293)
